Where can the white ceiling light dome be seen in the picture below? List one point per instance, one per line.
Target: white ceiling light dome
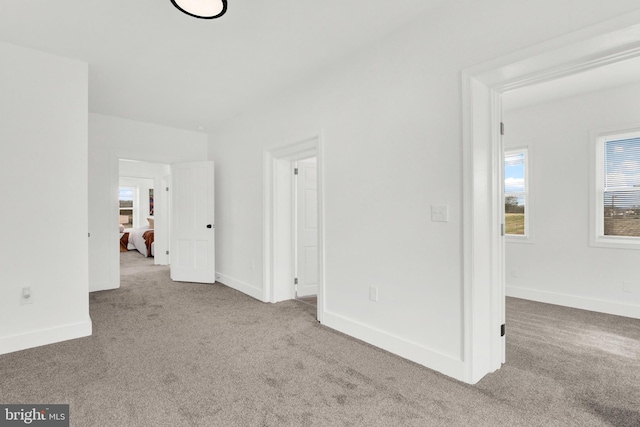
(205, 9)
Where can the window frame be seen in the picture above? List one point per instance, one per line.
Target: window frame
(597, 238)
(134, 191)
(527, 237)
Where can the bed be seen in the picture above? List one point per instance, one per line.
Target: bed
(140, 239)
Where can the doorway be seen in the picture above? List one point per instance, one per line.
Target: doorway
(148, 207)
(484, 292)
(305, 233)
(176, 202)
(280, 266)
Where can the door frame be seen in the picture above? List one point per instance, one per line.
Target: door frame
(605, 43)
(278, 219)
(161, 200)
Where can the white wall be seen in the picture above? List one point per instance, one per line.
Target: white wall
(559, 266)
(111, 139)
(390, 120)
(43, 167)
(139, 169)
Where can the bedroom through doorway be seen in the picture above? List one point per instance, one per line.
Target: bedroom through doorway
(143, 210)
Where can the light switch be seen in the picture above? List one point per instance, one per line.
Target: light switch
(440, 213)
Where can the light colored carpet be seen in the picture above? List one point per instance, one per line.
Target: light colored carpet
(182, 354)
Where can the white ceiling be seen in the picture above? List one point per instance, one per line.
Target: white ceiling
(607, 77)
(152, 63)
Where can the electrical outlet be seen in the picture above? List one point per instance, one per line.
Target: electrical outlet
(373, 293)
(26, 297)
(440, 213)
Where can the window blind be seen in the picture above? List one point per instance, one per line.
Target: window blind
(622, 187)
(622, 173)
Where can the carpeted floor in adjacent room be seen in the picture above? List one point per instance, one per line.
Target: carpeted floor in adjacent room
(183, 354)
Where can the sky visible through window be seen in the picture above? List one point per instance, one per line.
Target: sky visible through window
(514, 174)
(514, 192)
(125, 193)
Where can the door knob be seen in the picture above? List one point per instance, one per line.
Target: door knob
(209, 226)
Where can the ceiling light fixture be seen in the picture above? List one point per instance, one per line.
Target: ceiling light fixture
(204, 9)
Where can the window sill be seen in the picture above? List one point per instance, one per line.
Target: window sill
(616, 242)
(513, 238)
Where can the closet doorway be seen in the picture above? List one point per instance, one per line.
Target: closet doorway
(306, 230)
(280, 253)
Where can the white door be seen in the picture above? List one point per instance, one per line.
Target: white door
(307, 228)
(192, 226)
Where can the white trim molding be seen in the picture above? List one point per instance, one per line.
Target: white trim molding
(241, 286)
(574, 301)
(448, 365)
(41, 337)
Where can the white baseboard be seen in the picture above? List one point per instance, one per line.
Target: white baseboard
(45, 336)
(103, 286)
(409, 350)
(241, 286)
(591, 304)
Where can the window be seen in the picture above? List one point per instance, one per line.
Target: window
(617, 187)
(125, 197)
(516, 195)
